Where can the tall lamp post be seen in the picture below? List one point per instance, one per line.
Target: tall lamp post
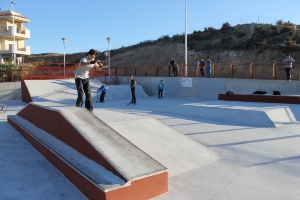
(108, 40)
(106, 54)
(185, 52)
(13, 30)
(64, 41)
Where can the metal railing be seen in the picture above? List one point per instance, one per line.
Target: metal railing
(41, 71)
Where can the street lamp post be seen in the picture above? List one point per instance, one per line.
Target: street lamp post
(13, 30)
(106, 54)
(185, 52)
(108, 40)
(64, 41)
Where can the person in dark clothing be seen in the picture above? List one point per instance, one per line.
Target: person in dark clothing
(202, 65)
(176, 70)
(132, 88)
(102, 89)
(173, 64)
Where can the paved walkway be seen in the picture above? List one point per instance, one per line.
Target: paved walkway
(217, 150)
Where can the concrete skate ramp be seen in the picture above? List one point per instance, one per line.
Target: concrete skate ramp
(123, 92)
(172, 149)
(129, 160)
(65, 92)
(226, 112)
(93, 138)
(240, 113)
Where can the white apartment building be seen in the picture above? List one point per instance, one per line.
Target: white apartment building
(7, 34)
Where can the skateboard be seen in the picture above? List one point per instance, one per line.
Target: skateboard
(130, 104)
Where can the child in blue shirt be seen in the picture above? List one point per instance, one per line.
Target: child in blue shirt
(160, 87)
(102, 89)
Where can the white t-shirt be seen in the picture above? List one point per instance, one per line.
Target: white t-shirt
(83, 72)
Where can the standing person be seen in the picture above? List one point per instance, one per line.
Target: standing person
(132, 88)
(102, 89)
(173, 64)
(82, 79)
(196, 65)
(288, 61)
(208, 68)
(160, 87)
(202, 65)
(176, 70)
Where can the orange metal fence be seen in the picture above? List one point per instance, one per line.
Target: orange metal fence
(34, 71)
(47, 71)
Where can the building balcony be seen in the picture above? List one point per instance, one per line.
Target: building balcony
(18, 51)
(19, 34)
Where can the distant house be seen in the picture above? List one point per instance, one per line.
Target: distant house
(7, 34)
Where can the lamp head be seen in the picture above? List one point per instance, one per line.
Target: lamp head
(108, 39)
(13, 2)
(64, 40)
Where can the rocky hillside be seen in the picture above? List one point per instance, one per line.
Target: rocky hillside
(259, 43)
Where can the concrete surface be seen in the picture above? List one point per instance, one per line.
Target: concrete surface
(10, 90)
(232, 156)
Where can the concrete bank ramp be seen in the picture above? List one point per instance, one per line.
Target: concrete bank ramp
(174, 150)
(65, 92)
(130, 160)
(239, 113)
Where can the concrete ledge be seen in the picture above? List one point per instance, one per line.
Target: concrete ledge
(260, 98)
(76, 167)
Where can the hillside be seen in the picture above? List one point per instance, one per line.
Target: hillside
(259, 43)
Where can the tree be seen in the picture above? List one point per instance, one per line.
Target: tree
(279, 22)
(225, 26)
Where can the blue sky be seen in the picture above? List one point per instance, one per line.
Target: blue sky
(86, 24)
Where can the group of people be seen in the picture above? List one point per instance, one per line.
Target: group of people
(83, 84)
(88, 62)
(202, 64)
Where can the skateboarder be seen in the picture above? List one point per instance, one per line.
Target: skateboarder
(132, 88)
(102, 89)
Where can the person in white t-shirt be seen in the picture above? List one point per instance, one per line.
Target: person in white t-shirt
(82, 79)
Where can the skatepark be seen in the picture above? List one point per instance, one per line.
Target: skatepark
(209, 149)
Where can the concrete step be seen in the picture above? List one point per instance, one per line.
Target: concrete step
(87, 168)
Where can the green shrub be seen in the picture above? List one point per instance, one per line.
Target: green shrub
(9, 72)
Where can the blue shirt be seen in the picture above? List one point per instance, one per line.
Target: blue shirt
(102, 89)
(161, 86)
(208, 64)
